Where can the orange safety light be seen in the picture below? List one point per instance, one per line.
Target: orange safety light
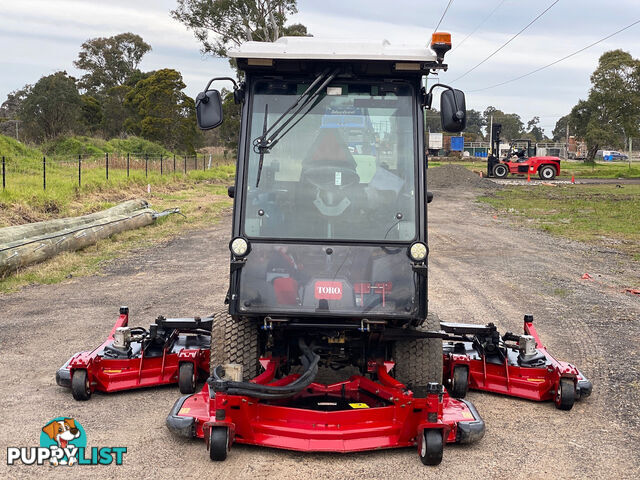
(441, 44)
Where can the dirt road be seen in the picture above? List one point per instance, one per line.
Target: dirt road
(482, 269)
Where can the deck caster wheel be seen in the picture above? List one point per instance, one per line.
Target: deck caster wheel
(219, 444)
(80, 388)
(431, 447)
(459, 382)
(566, 394)
(187, 378)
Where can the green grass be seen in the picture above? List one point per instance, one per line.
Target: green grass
(202, 203)
(567, 168)
(601, 214)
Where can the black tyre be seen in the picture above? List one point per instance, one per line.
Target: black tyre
(235, 341)
(219, 444)
(566, 394)
(459, 382)
(419, 361)
(187, 378)
(547, 172)
(500, 170)
(80, 388)
(430, 447)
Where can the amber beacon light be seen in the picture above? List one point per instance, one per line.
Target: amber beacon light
(441, 44)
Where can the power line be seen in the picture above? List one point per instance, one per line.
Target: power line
(442, 17)
(508, 41)
(479, 25)
(557, 61)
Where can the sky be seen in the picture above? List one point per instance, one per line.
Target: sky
(39, 37)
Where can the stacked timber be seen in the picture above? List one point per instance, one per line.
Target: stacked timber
(24, 245)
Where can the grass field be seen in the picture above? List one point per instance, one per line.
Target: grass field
(567, 168)
(602, 214)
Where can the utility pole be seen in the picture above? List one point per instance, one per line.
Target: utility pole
(567, 143)
(630, 150)
(491, 137)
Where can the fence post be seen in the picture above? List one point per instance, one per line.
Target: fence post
(185, 164)
(79, 171)
(106, 163)
(195, 161)
(174, 163)
(204, 164)
(161, 169)
(44, 173)
(4, 182)
(146, 164)
(127, 164)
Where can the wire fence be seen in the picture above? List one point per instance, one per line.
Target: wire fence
(49, 172)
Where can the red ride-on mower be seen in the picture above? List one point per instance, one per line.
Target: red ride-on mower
(478, 357)
(173, 350)
(328, 266)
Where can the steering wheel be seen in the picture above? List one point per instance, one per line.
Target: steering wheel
(331, 183)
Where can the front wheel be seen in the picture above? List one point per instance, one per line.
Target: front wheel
(547, 172)
(566, 394)
(219, 444)
(459, 381)
(80, 388)
(419, 360)
(187, 378)
(431, 447)
(500, 171)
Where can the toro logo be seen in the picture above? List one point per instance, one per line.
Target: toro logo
(328, 290)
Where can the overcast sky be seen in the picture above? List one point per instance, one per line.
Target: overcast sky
(39, 37)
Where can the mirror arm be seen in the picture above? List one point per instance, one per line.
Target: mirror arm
(430, 94)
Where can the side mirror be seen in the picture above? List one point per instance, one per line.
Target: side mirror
(209, 109)
(453, 111)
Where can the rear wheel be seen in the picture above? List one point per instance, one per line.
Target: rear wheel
(80, 388)
(547, 172)
(430, 447)
(187, 378)
(500, 171)
(419, 361)
(235, 341)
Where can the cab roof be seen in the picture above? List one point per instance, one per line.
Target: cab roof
(313, 48)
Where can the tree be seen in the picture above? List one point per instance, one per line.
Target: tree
(534, 130)
(475, 122)
(91, 113)
(560, 130)
(219, 24)
(9, 122)
(512, 126)
(611, 113)
(110, 61)
(51, 107)
(162, 112)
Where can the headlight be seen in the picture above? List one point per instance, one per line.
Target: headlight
(418, 252)
(239, 247)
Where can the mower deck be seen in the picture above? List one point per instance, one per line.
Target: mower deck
(488, 362)
(155, 359)
(350, 416)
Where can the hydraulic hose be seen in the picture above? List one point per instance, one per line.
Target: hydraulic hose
(266, 392)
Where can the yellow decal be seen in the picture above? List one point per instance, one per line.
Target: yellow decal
(183, 411)
(468, 415)
(113, 371)
(358, 405)
(536, 380)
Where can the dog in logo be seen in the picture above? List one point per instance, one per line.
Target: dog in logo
(62, 432)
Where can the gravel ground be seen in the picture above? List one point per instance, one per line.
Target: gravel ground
(482, 268)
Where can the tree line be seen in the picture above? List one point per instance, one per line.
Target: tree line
(113, 98)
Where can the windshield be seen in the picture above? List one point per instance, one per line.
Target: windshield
(344, 171)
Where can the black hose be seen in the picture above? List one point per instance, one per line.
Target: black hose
(267, 392)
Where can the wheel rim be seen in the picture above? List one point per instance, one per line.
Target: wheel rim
(193, 380)
(423, 447)
(501, 171)
(547, 173)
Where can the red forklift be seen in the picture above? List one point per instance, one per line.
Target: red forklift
(521, 159)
